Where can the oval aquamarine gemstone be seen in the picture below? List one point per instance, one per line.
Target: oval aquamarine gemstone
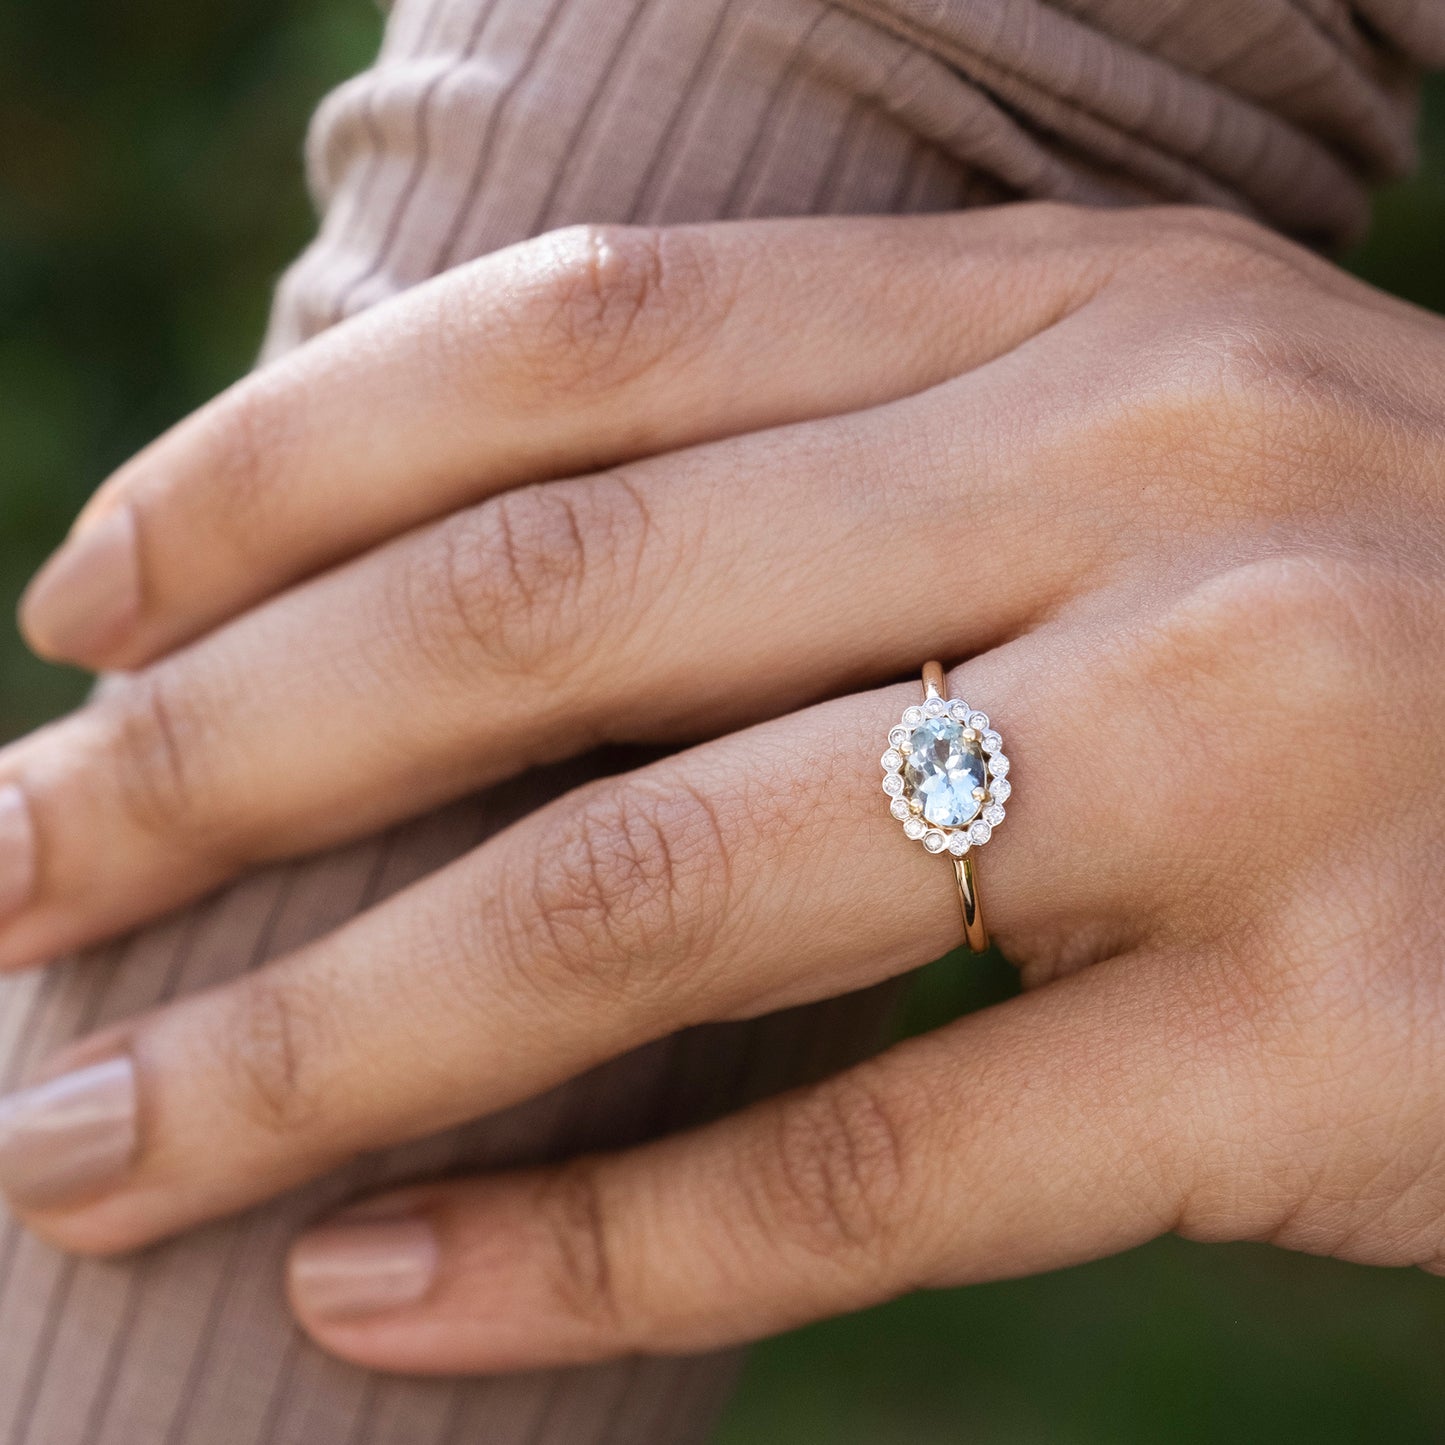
(941, 769)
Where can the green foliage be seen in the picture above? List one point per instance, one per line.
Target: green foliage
(1175, 1344)
(1405, 251)
(150, 192)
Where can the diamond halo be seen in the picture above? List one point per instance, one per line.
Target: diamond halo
(946, 776)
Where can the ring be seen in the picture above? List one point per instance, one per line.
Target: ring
(946, 777)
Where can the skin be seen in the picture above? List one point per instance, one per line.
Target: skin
(1166, 487)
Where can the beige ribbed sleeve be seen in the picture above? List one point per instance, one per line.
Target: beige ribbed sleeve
(485, 121)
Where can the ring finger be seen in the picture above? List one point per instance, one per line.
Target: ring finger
(751, 873)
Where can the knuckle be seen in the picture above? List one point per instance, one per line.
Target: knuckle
(508, 585)
(268, 1051)
(581, 1261)
(512, 572)
(832, 1175)
(601, 305)
(1225, 369)
(1237, 416)
(1245, 694)
(1271, 657)
(1299, 626)
(632, 889)
(161, 736)
(1232, 359)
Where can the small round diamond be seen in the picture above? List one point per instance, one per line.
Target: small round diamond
(978, 721)
(912, 716)
(934, 707)
(893, 785)
(915, 827)
(899, 808)
(959, 710)
(898, 737)
(998, 765)
(892, 760)
(958, 844)
(979, 832)
(991, 741)
(993, 815)
(999, 789)
(935, 842)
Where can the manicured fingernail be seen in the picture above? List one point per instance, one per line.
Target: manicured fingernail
(86, 598)
(343, 1271)
(17, 851)
(69, 1136)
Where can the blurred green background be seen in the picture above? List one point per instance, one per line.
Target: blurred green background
(150, 190)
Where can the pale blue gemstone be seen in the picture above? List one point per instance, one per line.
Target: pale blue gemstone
(941, 769)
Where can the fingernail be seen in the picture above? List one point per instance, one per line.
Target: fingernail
(343, 1271)
(69, 1136)
(17, 850)
(85, 599)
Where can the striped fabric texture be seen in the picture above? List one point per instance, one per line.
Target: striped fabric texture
(486, 121)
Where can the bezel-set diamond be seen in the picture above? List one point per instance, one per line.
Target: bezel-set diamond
(933, 755)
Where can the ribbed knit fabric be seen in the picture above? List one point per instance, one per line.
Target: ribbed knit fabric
(489, 120)
(485, 121)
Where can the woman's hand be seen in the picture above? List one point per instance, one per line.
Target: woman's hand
(1174, 490)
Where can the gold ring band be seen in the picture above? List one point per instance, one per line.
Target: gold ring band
(974, 933)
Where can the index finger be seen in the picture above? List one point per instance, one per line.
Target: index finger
(582, 349)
